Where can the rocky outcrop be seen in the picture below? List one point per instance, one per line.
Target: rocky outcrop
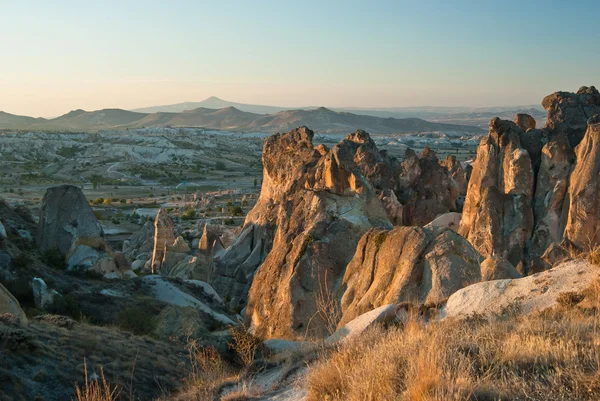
(427, 188)
(497, 217)
(412, 264)
(163, 237)
(522, 295)
(583, 223)
(312, 211)
(42, 295)
(495, 268)
(141, 244)
(568, 112)
(550, 200)
(68, 226)
(9, 304)
(66, 219)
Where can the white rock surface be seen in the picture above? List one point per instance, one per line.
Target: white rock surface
(165, 291)
(450, 220)
(363, 322)
(207, 289)
(523, 295)
(2, 231)
(42, 295)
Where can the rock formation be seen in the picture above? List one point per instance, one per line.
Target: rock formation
(427, 188)
(163, 236)
(9, 304)
(583, 223)
(497, 217)
(568, 112)
(66, 219)
(68, 225)
(312, 211)
(494, 299)
(413, 264)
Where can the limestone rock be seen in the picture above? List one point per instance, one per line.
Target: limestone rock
(497, 217)
(358, 325)
(583, 223)
(411, 264)
(426, 187)
(522, 295)
(393, 207)
(524, 121)
(42, 295)
(65, 219)
(140, 242)
(9, 304)
(311, 213)
(569, 112)
(163, 236)
(495, 268)
(550, 209)
(446, 220)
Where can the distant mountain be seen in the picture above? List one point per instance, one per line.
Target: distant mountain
(321, 120)
(11, 121)
(211, 103)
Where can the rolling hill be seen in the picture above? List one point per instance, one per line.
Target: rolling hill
(321, 120)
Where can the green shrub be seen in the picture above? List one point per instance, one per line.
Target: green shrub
(98, 201)
(55, 259)
(220, 165)
(136, 320)
(22, 261)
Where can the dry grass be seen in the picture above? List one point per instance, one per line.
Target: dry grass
(96, 389)
(551, 356)
(244, 344)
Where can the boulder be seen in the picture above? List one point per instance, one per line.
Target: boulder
(42, 295)
(524, 121)
(2, 231)
(497, 217)
(66, 218)
(9, 304)
(68, 225)
(406, 264)
(358, 325)
(496, 268)
(583, 225)
(447, 220)
(568, 112)
(525, 295)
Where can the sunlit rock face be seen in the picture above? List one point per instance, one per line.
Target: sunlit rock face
(568, 112)
(583, 223)
(498, 217)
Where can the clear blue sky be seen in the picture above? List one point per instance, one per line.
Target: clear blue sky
(61, 55)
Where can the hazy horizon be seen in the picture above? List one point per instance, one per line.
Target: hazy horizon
(69, 55)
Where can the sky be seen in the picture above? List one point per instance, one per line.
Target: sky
(56, 56)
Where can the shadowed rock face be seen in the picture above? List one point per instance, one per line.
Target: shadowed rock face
(406, 264)
(569, 112)
(583, 224)
(428, 188)
(65, 218)
(498, 216)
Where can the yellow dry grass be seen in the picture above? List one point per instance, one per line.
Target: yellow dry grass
(554, 355)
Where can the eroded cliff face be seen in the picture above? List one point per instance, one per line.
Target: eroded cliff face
(583, 224)
(318, 207)
(568, 112)
(498, 216)
(407, 264)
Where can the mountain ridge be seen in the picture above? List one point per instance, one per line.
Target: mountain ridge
(231, 118)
